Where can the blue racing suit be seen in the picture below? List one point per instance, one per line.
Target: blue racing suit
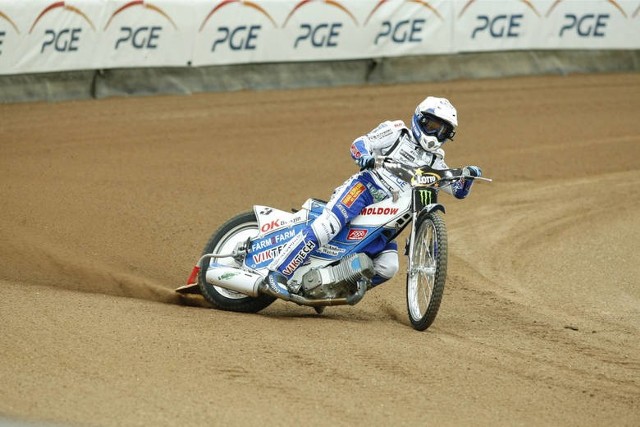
(392, 139)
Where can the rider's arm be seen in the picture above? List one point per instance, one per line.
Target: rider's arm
(376, 141)
(458, 189)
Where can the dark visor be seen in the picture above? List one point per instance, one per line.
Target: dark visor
(434, 126)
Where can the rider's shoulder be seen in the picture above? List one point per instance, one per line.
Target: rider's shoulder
(388, 129)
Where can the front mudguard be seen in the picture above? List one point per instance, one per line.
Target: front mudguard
(430, 208)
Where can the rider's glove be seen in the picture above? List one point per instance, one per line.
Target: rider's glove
(366, 162)
(473, 171)
(462, 187)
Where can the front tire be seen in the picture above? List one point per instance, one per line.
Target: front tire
(427, 270)
(237, 230)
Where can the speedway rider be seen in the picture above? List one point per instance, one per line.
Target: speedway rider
(434, 122)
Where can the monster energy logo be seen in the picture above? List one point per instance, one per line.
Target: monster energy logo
(425, 197)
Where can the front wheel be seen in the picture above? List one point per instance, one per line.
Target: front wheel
(427, 270)
(237, 230)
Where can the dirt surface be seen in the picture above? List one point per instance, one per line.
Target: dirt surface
(107, 204)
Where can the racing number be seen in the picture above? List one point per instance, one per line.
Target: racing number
(2, 34)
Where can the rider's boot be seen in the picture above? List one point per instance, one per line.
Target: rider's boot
(275, 284)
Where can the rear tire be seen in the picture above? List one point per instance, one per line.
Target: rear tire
(224, 240)
(428, 271)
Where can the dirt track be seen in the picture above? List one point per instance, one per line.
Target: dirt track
(107, 204)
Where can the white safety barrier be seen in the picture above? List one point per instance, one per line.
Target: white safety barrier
(49, 35)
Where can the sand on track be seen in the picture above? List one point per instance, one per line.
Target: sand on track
(107, 204)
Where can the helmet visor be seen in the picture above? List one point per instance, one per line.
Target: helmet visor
(434, 126)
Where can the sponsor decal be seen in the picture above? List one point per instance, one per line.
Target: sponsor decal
(425, 197)
(386, 133)
(357, 234)
(353, 194)
(378, 195)
(278, 223)
(246, 3)
(407, 155)
(266, 211)
(331, 250)
(588, 25)
(355, 152)
(140, 37)
(343, 211)
(526, 2)
(319, 35)
(422, 178)
(299, 258)
(328, 2)
(420, 2)
(272, 240)
(66, 39)
(236, 38)
(145, 5)
(272, 225)
(267, 255)
(402, 31)
(611, 2)
(499, 26)
(379, 211)
(229, 275)
(64, 6)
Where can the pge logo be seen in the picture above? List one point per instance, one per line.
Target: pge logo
(319, 35)
(64, 39)
(402, 31)
(3, 33)
(237, 37)
(586, 25)
(499, 25)
(141, 37)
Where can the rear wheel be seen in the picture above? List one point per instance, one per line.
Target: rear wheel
(427, 270)
(237, 230)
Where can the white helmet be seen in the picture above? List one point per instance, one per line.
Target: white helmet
(434, 121)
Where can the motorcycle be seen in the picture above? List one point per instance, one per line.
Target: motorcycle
(231, 270)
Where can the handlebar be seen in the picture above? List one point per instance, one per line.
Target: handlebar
(410, 173)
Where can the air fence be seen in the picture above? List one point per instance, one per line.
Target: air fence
(96, 48)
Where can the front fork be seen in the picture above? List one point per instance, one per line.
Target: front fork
(411, 269)
(410, 246)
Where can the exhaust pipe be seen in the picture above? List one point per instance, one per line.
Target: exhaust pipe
(234, 279)
(248, 283)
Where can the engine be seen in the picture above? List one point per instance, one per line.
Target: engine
(340, 280)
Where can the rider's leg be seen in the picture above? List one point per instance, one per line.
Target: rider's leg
(346, 203)
(385, 264)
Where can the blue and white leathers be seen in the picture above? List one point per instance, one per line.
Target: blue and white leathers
(392, 139)
(347, 202)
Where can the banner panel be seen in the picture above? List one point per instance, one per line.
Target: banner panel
(50, 35)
